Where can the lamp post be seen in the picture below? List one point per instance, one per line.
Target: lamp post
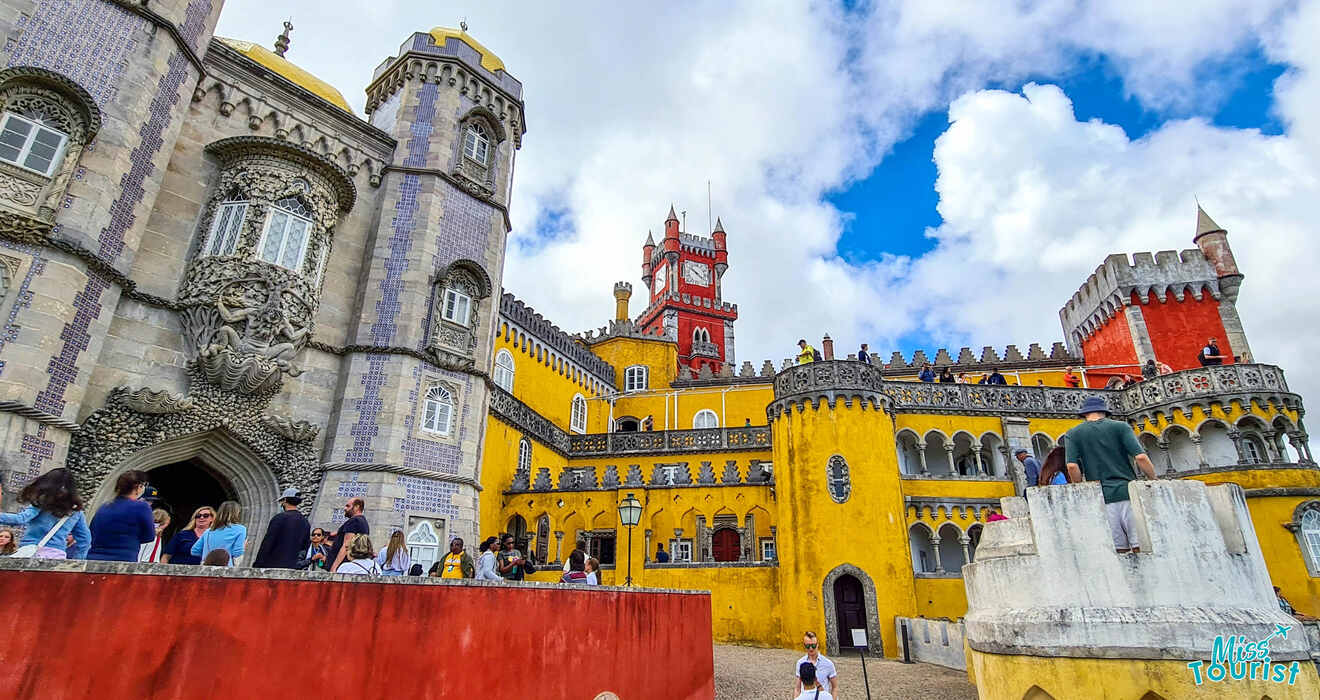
(630, 513)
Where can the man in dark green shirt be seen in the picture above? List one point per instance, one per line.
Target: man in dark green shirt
(1101, 448)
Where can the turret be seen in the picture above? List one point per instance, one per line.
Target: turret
(648, 250)
(1213, 242)
(622, 293)
(671, 243)
(721, 252)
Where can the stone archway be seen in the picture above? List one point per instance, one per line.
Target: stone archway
(832, 632)
(223, 455)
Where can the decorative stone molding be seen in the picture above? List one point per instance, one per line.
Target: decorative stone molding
(837, 479)
(456, 343)
(294, 430)
(527, 420)
(53, 99)
(670, 441)
(832, 632)
(150, 401)
(516, 313)
(1203, 386)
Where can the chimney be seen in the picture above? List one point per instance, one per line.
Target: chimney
(827, 347)
(622, 292)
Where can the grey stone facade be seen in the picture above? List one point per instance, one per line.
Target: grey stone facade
(160, 303)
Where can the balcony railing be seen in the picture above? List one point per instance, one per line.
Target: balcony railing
(707, 440)
(701, 348)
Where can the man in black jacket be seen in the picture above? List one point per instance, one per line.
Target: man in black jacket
(287, 536)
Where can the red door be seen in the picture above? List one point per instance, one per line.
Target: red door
(726, 545)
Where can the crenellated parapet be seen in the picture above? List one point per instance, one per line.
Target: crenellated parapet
(986, 360)
(525, 317)
(1148, 400)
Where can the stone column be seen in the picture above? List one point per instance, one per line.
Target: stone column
(646, 550)
(1236, 437)
(980, 462)
(1164, 452)
(1301, 446)
(1136, 321)
(966, 542)
(702, 543)
(559, 545)
(1200, 454)
(749, 524)
(935, 548)
(921, 455)
(948, 451)
(1273, 453)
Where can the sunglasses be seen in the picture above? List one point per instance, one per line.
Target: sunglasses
(205, 515)
(810, 646)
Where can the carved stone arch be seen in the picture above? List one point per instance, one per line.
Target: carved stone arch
(78, 114)
(1210, 421)
(55, 100)
(872, 612)
(455, 341)
(838, 480)
(1035, 692)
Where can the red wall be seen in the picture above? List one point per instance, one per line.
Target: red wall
(142, 636)
(1179, 329)
(1112, 345)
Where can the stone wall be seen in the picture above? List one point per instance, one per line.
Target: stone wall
(938, 642)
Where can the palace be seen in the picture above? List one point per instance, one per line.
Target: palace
(212, 269)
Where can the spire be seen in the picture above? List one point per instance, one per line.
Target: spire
(1204, 224)
(649, 240)
(719, 225)
(282, 41)
(672, 216)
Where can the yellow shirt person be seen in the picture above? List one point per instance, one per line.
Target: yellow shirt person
(806, 353)
(453, 566)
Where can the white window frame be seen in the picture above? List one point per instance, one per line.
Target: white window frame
(768, 552)
(445, 404)
(284, 242)
(233, 232)
(1251, 444)
(704, 413)
(1308, 535)
(680, 549)
(423, 543)
(504, 370)
(577, 420)
(450, 304)
(24, 151)
(636, 378)
(476, 144)
(525, 455)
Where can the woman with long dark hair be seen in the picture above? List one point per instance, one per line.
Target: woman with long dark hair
(1055, 469)
(54, 512)
(8, 542)
(123, 525)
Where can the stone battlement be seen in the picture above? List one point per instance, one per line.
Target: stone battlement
(716, 307)
(622, 329)
(1047, 581)
(1114, 282)
(525, 317)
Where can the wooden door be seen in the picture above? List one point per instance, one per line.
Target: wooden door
(849, 607)
(726, 545)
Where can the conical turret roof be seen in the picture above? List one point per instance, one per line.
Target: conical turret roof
(672, 216)
(719, 225)
(1205, 224)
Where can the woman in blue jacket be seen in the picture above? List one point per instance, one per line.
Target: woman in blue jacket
(227, 533)
(50, 497)
(123, 525)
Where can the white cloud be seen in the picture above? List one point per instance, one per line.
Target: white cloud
(777, 103)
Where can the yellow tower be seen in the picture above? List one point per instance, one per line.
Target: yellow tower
(835, 474)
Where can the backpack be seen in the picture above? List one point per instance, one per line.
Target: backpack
(815, 356)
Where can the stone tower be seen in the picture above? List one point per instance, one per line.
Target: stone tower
(683, 275)
(100, 90)
(409, 431)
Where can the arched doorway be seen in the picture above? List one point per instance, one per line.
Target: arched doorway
(185, 486)
(849, 608)
(207, 465)
(725, 545)
(518, 528)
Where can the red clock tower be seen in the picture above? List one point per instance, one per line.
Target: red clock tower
(683, 276)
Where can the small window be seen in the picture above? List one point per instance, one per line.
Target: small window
(1253, 450)
(767, 549)
(504, 370)
(439, 410)
(423, 545)
(542, 538)
(226, 227)
(287, 229)
(578, 420)
(30, 144)
(680, 550)
(837, 479)
(1310, 535)
(700, 335)
(705, 418)
(476, 144)
(635, 378)
(601, 546)
(457, 307)
(525, 455)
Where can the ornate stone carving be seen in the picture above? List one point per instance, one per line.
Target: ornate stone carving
(730, 475)
(295, 430)
(506, 407)
(150, 401)
(542, 479)
(611, 479)
(837, 479)
(238, 373)
(18, 190)
(706, 475)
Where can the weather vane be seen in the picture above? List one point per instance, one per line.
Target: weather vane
(462, 23)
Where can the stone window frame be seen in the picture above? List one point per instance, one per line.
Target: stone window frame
(703, 413)
(1305, 515)
(263, 171)
(447, 431)
(506, 370)
(234, 227)
(478, 178)
(630, 373)
(306, 216)
(59, 103)
(834, 480)
(35, 127)
(576, 423)
(457, 340)
(700, 335)
(411, 539)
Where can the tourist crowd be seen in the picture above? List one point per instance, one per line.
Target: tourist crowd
(128, 529)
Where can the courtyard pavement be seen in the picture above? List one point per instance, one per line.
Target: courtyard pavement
(748, 673)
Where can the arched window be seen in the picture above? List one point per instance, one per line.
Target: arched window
(439, 411)
(525, 455)
(31, 144)
(705, 418)
(1254, 450)
(635, 378)
(542, 538)
(457, 306)
(226, 226)
(1308, 534)
(504, 370)
(577, 421)
(284, 242)
(423, 545)
(476, 144)
(837, 478)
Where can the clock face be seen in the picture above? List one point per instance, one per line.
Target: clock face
(696, 273)
(660, 279)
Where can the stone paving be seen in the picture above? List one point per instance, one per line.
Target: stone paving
(748, 673)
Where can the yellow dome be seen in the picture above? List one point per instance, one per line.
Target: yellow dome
(287, 70)
(489, 61)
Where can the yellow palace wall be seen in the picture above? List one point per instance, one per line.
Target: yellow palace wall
(547, 390)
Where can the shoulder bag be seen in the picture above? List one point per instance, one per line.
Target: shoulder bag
(29, 551)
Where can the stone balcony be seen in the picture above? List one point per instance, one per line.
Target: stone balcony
(667, 441)
(701, 348)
